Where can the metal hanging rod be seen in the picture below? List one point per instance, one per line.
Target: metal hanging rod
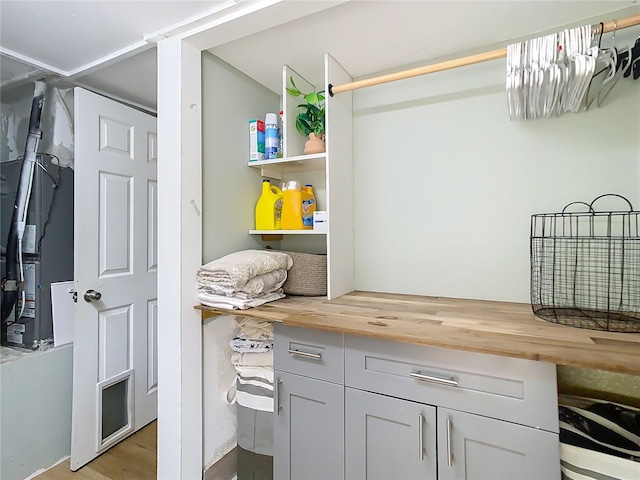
(626, 22)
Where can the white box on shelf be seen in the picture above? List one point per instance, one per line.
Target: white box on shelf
(321, 221)
(256, 140)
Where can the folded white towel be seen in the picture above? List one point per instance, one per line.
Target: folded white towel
(265, 283)
(244, 345)
(232, 303)
(254, 327)
(236, 269)
(252, 359)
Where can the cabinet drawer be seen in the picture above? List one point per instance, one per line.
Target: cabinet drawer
(511, 389)
(311, 353)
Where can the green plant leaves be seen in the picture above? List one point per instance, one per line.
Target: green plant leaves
(311, 98)
(310, 117)
(303, 127)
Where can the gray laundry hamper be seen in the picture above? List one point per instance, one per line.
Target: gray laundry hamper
(254, 403)
(255, 430)
(254, 399)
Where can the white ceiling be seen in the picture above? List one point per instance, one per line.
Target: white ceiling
(109, 45)
(373, 36)
(68, 35)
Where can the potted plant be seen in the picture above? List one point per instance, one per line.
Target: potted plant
(310, 119)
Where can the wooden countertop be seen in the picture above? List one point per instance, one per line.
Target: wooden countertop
(498, 328)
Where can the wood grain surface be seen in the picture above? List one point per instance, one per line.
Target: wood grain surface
(133, 458)
(498, 328)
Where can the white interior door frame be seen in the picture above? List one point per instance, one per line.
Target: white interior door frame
(179, 256)
(180, 442)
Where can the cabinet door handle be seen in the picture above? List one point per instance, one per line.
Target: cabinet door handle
(449, 455)
(276, 395)
(420, 440)
(452, 382)
(315, 356)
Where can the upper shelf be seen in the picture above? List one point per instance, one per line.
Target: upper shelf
(299, 163)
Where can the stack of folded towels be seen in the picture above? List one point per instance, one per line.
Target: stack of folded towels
(244, 279)
(253, 358)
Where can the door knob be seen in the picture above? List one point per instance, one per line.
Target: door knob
(92, 296)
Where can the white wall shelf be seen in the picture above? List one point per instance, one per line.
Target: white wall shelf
(299, 163)
(285, 232)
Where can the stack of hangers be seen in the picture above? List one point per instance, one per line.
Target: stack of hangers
(567, 71)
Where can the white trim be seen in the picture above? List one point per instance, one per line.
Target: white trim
(102, 445)
(139, 106)
(30, 61)
(188, 23)
(42, 470)
(109, 59)
(252, 17)
(180, 415)
(179, 256)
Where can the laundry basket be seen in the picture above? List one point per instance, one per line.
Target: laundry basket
(598, 439)
(308, 275)
(585, 267)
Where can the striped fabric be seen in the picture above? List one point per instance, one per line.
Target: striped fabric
(254, 388)
(599, 440)
(581, 464)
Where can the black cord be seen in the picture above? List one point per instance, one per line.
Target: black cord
(56, 184)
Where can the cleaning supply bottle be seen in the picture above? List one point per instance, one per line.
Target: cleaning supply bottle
(271, 136)
(280, 137)
(267, 208)
(292, 206)
(308, 206)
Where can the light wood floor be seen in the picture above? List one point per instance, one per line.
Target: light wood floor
(133, 458)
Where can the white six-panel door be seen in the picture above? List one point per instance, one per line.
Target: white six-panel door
(115, 354)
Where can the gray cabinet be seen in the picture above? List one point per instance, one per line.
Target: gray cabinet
(388, 438)
(370, 409)
(308, 429)
(475, 447)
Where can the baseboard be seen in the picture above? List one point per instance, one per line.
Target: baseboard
(225, 468)
(42, 470)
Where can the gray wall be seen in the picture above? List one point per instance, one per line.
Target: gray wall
(35, 412)
(445, 184)
(230, 190)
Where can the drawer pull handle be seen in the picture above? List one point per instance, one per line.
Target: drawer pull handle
(449, 455)
(428, 378)
(276, 395)
(420, 444)
(315, 356)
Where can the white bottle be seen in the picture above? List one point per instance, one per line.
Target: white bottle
(271, 136)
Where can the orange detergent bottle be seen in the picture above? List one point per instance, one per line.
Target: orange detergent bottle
(308, 206)
(292, 206)
(269, 207)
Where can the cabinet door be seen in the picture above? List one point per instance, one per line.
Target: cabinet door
(475, 447)
(308, 430)
(388, 438)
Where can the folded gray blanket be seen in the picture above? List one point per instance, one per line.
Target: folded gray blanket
(236, 269)
(265, 283)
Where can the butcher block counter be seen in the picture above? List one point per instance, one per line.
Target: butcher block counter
(498, 328)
